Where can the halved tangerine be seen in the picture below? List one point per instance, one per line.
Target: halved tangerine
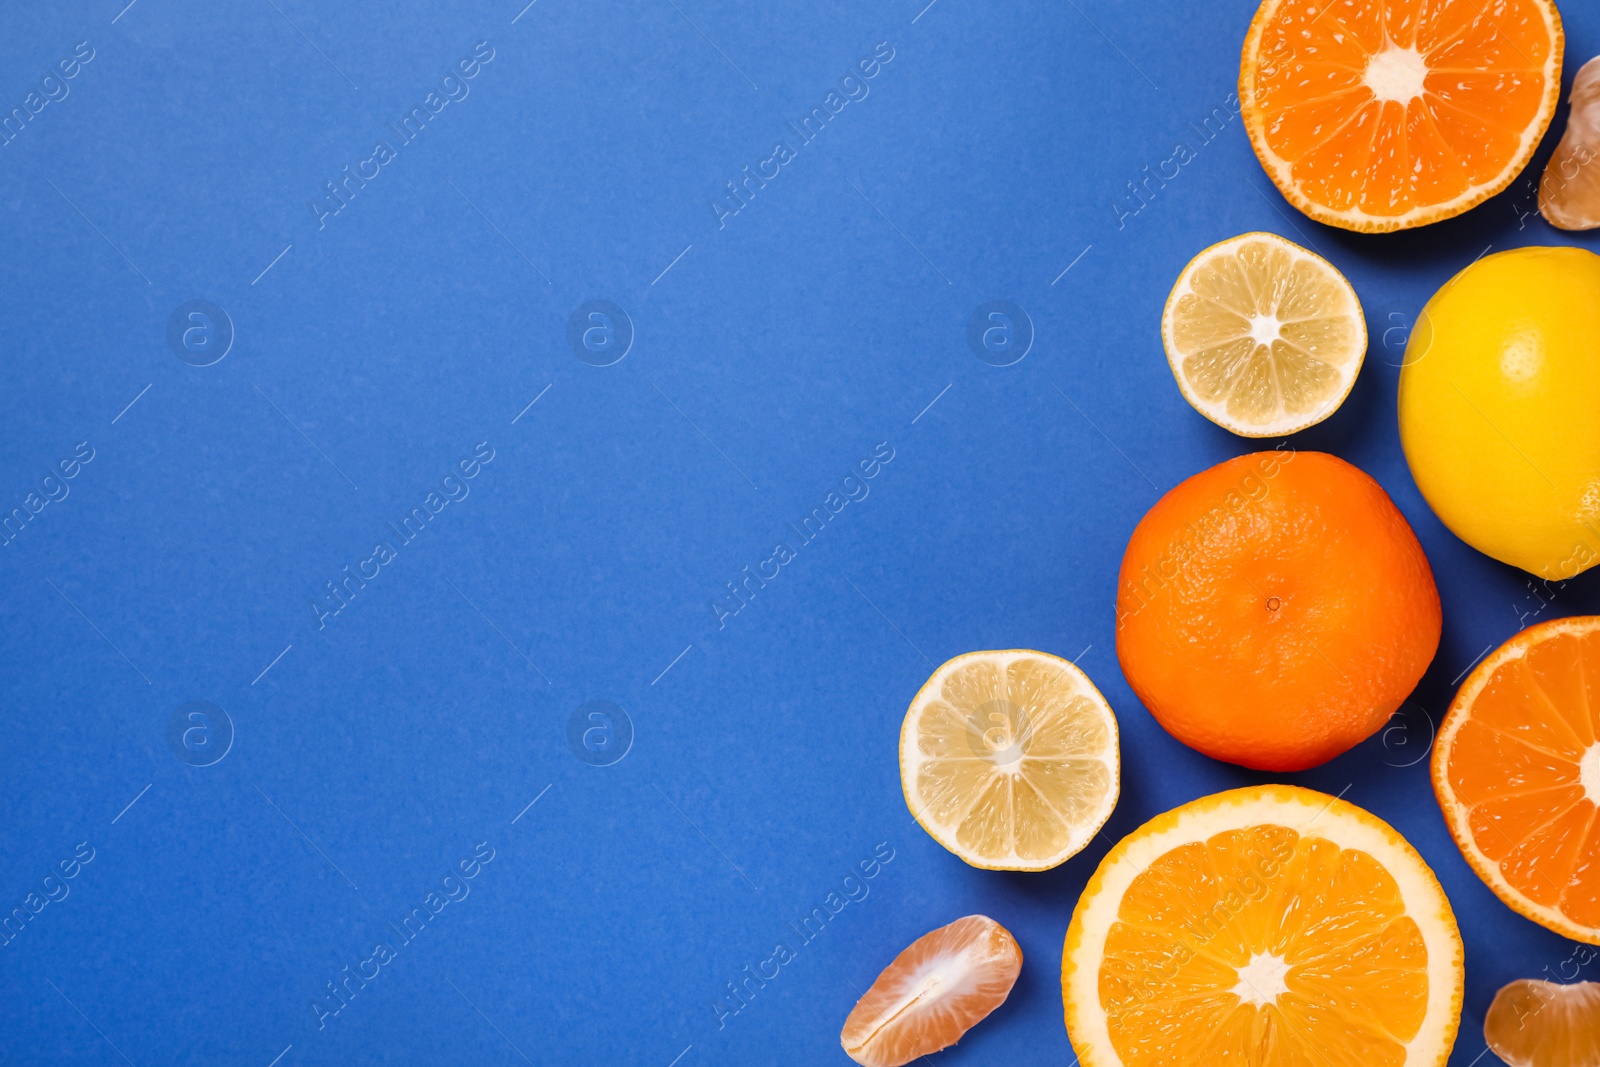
(940, 987)
(1517, 773)
(1378, 116)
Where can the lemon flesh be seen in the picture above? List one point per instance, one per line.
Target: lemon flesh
(1500, 408)
(1009, 759)
(1264, 337)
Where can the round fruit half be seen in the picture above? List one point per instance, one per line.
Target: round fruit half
(1263, 336)
(1262, 927)
(1383, 116)
(1009, 759)
(1516, 769)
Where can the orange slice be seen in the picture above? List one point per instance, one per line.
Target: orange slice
(940, 987)
(1534, 1023)
(1270, 926)
(1378, 115)
(1517, 773)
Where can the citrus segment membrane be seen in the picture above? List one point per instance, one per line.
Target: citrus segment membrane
(1569, 192)
(1263, 336)
(940, 987)
(1009, 759)
(1533, 1023)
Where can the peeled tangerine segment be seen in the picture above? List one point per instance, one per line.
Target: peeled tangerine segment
(940, 987)
(1533, 1023)
(1569, 193)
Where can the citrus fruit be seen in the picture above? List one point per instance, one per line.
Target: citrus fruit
(1498, 395)
(1377, 116)
(1264, 337)
(1533, 1023)
(1569, 192)
(1263, 926)
(1009, 759)
(940, 987)
(1275, 610)
(1516, 769)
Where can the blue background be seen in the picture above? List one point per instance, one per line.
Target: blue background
(772, 352)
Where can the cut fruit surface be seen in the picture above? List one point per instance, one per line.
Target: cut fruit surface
(1517, 772)
(1382, 116)
(940, 987)
(1569, 192)
(1009, 759)
(1263, 336)
(1270, 925)
(1533, 1023)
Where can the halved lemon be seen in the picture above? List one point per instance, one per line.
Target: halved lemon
(1009, 759)
(1263, 336)
(1270, 925)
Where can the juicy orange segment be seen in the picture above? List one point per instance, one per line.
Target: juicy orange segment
(1264, 926)
(940, 987)
(1517, 773)
(1533, 1023)
(1379, 115)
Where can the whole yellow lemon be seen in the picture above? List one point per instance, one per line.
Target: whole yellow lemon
(1500, 408)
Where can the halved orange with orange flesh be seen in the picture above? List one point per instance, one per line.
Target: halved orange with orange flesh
(1269, 926)
(940, 987)
(1517, 772)
(1378, 115)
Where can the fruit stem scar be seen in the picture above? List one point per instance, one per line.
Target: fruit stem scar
(1273, 603)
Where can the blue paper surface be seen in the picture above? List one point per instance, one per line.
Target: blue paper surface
(398, 563)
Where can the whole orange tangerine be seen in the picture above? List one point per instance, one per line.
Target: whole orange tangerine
(1275, 610)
